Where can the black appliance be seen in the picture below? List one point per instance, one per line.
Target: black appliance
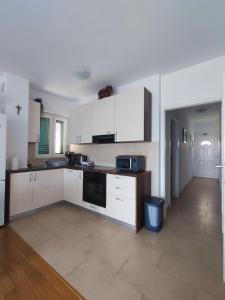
(133, 163)
(74, 159)
(103, 139)
(94, 188)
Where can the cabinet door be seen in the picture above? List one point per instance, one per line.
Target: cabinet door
(121, 208)
(20, 193)
(129, 116)
(86, 123)
(34, 122)
(74, 126)
(47, 187)
(73, 186)
(104, 116)
(79, 197)
(69, 185)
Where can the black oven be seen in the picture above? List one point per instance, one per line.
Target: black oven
(94, 188)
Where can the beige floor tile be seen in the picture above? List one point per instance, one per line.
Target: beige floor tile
(62, 255)
(194, 274)
(35, 234)
(144, 297)
(96, 281)
(205, 296)
(155, 283)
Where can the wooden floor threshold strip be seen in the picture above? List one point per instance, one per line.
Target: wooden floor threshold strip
(25, 275)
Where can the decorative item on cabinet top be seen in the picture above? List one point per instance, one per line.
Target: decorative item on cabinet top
(106, 92)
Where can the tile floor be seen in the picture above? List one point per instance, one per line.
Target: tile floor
(104, 260)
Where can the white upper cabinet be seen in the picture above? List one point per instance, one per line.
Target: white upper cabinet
(133, 116)
(104, 116)
(74, 126)
(81, 125)
(86, 123)
(128, 115)
(34, 122)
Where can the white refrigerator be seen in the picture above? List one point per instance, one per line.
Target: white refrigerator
(2, 166)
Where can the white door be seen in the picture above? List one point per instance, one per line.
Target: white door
(47, 187)
(2, 145)
(129, 116)
(104, 116)
(223, 170)
(205, 156)
(20, 193)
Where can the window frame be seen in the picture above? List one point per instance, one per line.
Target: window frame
(65, 120)
(52, 127)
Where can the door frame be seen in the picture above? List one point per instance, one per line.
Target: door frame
(174, 153)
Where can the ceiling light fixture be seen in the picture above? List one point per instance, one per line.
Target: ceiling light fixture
(81, 73)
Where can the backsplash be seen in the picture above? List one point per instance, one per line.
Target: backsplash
(105, 155)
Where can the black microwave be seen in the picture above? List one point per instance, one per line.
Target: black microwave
(133, 163)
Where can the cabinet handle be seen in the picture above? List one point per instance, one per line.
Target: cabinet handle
(30, 178)
(35, 176)
(117, 177)
(80, 138)
(92, 206)
(116, 136)
(118, 188)
(119, 199)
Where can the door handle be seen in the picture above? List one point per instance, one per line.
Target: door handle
(219, 166)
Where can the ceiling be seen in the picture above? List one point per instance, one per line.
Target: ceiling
(117, 41)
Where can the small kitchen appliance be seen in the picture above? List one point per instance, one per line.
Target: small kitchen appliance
(130, 163)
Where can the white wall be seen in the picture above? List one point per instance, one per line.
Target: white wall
(52, 103)
(105, 155)
(198, 84)
(17, 93)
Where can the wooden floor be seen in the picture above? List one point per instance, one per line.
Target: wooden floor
(25, 275)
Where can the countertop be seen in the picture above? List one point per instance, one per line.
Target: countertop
(99, 169)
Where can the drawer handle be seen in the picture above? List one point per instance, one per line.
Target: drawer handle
(119, 199)
(118, 188)
(92, 206)
(117, 177)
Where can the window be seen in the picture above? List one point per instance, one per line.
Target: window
(53, 136)
(206, 143)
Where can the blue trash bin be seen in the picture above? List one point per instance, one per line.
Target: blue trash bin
(154, 207)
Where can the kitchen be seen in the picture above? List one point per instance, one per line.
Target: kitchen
(121, 197)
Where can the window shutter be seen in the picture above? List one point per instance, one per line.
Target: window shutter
(43, 145)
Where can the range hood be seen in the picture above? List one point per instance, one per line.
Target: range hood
(103, 139)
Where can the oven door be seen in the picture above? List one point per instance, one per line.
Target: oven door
(124, 164)
(94, 188)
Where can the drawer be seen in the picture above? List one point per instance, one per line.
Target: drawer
(127, 181)
(123, 191)
(122, 209)
(93, 207)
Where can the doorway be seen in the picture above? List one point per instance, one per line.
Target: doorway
(174, 158)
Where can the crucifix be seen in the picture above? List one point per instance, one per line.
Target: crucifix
(18, 108)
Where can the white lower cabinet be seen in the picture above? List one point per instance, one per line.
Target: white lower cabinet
(121, 208)
(121, 198)
(30, 190)
(21, 191)
(73, 186)
(47, 187)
